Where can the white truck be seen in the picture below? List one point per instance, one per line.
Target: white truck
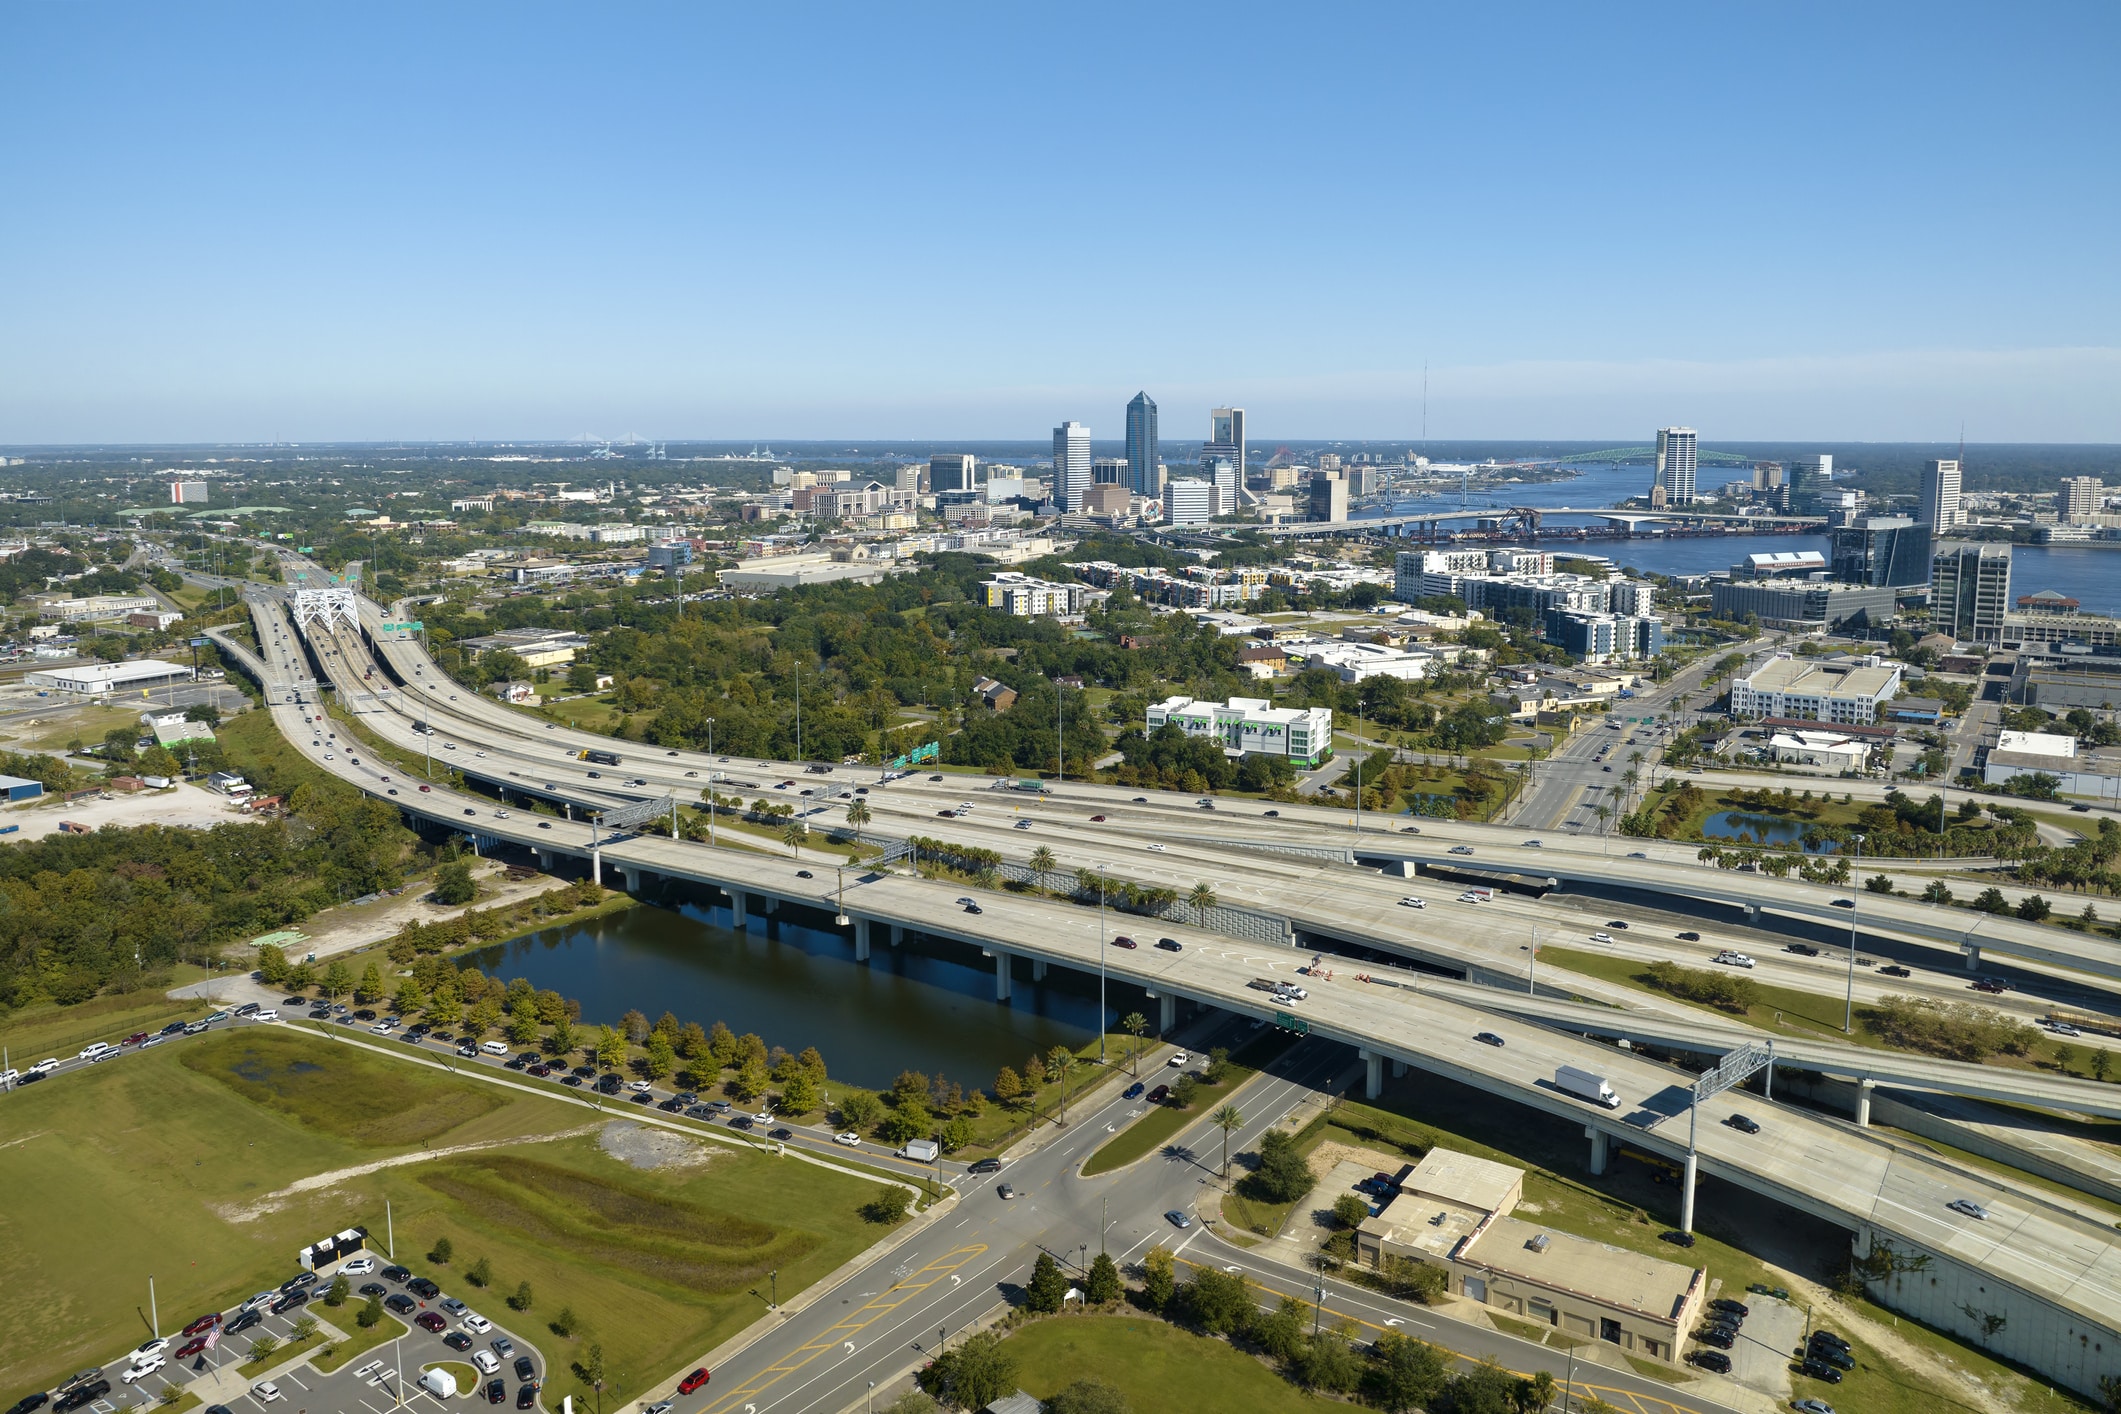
(1586, 1085)
(1282, 991)
(921, 1151)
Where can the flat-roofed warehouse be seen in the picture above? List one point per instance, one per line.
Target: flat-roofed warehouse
(90, 679)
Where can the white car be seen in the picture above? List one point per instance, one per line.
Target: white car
(1411, 902)
(640, 1085)
(265, 1391)
(148, 1349)
(358, 1267)
(849, 1138)
(381, 1028)
(9, 1077)
(1157, 847)
(143, 1369)
(266, 1014)
(763, 1117)
(45, 1066)
(486, 1361)
(1178, 1058)
(500, 815)
(92, 1050)
(263, 1298)
(1601, 937)
(477, 1324)
(1734, 959)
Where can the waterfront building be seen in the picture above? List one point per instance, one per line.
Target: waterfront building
(1940, 494)
(1071, 465)
(1888, 550)
(1329, 497)
(1675, 464)
(1970, 591)
(2080, 499)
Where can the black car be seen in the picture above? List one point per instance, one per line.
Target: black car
(1170, 945)
(781, 1134)
(641, 1097)
(986, 1166)
(1744, 1124)
(672, 1105)
(401, 1303)
(802, 874)
(96, 1389)
(289, 1302)
(608, 1084)
(30, 1077)
(526, 1396)
(396, 1274)
(1689, 937)
(241, 1322)
(1488, 1038)
(173, 1028)
(741, 1122)
(423, 1288)
(365, 1014)
(496, 1391)
(1820, 1370)
(1736, 1308)
(31, 1402)
(526, 1368)
(1714, 1360)
(1722, 1340)
(457, 1340)
(1830, 1355)
(1824, 1337)
(296, 1282)
(1801, 949)
(374, 1288)
(974, 908)
(574, 1080)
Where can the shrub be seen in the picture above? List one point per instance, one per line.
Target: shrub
(441, 1252)
(370, 1314)
(1282, 1175)
(481, 1273)
(521, 1300)
(566, 1323)
(888, 1206)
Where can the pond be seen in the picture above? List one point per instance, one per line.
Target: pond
(925, 1005)
(1764, 829)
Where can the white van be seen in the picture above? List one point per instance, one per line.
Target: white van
(495, 1048)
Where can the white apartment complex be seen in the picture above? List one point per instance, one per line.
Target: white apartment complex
(1847, 691)
(1249, 725)
(1026, 597)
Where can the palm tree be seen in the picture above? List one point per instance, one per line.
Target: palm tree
(1226, 1118)
(793, 834)
(858, 813)
(1059, 1061)
(1134, 1024)
(1200, 900)
(1604, 813)
(1042, 861)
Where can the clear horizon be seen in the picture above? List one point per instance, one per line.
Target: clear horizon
(535, 223)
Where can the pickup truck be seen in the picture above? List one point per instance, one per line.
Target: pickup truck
(1283, 991)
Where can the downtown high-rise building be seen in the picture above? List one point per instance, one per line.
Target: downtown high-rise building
(1226, 438)
(1071, 465)
(1970, 591)
(1940, 495)
(1675, 465)
(952, 471)
(1142, 453)
(2080, 499)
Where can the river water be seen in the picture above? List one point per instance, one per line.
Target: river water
(925, 1005)
(2090, 576)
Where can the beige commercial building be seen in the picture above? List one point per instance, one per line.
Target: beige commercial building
(1453, 1211)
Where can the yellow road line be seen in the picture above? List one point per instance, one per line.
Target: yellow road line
(885, 1303)
(1619, 1398)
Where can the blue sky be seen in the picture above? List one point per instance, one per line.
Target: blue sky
(1869, 222)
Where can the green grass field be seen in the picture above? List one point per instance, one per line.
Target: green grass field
(1155, 1365)
(48, 1029)
(174, 1163)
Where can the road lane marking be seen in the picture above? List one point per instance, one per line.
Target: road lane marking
(836, 1336)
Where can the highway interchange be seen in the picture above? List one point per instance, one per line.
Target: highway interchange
(1813, 1163)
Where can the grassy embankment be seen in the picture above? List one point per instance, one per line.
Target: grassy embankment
(186, 1151)
(1163, 1122)
(1154, 1364)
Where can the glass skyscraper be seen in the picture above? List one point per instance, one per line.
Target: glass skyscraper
(1141, 447)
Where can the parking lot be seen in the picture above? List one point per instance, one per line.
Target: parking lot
(369, 1384)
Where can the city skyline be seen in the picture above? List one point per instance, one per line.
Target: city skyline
(531, 223)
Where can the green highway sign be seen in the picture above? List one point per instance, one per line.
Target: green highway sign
(1292, 1023)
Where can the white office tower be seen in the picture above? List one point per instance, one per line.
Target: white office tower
(1071, 465)
(1675, 464)
(1188, 500)
(2081, 496)
(1224, 473)
(1940, 495)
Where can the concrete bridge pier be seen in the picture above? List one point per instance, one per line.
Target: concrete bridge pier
(739, 912)
(1686, 1195)
(596, 866)
(861, 939)
(1863, 1102)
(1752, 914)
(1038, 969)
(1001, 972)
(1399, 1069)
(1373, 1074)
(1973, 956)
(545, 860)
(1166, 1013)
(631, 876)
(898, 934)
(1601, 1147)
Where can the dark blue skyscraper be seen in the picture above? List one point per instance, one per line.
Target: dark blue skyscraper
(1141, 447)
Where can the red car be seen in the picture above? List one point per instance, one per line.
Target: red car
(1156, 1096)
(191, 1347)
(138, 1036)
(203, 1324)
(431, 1320)
(1123, 941)
(1097, 819)
(426, 787)
(693, 1381)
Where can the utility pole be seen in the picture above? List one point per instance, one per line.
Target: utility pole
(1101, 950)
(1848, 1020)
(712, 776)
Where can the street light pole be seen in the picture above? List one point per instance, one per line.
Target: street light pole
(1848, 1022)
(1101, 948)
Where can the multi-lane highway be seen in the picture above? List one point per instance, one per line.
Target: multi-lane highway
(2049, 1267)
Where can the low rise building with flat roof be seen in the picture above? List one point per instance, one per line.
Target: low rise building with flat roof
(2079, 771)
(1846, 690)
(537, 647)
(1249, 725)
(1454, 1211)
(90, 679)
(1026, 597)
